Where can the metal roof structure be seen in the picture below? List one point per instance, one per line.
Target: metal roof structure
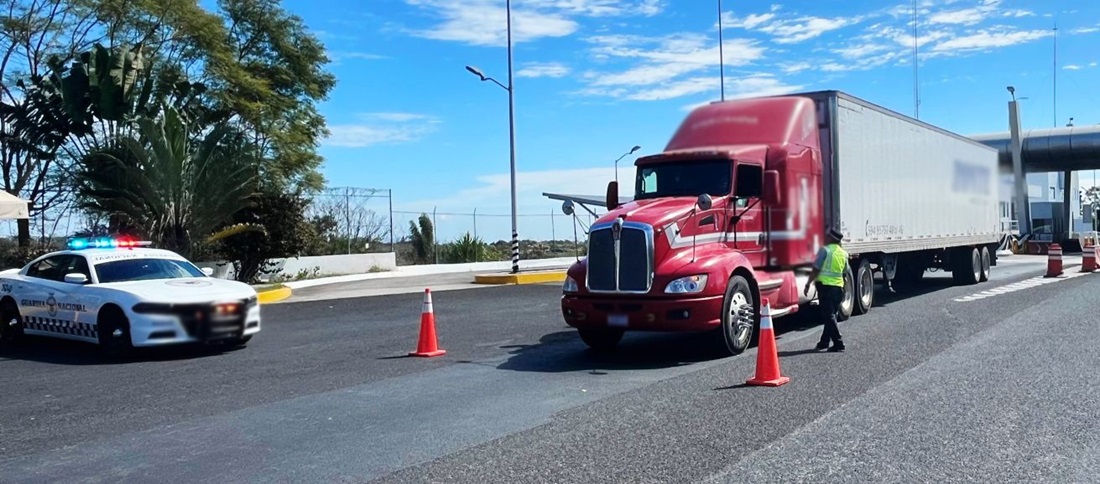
(1070, 148)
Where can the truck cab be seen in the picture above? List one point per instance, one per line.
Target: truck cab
(726, 215)
(732, 212)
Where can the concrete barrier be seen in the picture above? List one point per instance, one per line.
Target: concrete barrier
(314, 266)
(554, 266)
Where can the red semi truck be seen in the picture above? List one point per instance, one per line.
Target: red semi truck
(737, 205)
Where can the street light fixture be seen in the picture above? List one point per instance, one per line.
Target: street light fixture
(631, 152)
(511, 132)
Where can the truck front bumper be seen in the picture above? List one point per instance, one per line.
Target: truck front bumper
(682, 314)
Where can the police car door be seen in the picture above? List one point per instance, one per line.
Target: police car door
(44, 297)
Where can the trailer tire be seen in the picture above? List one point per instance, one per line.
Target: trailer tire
(864, 287)
(601, 340)
(967, 266)
(740, 319)
(986, 261)
(847, 304)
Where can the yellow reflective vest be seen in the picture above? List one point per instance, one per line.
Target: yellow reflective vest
(832, 268)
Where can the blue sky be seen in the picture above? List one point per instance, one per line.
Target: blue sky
(595, 77)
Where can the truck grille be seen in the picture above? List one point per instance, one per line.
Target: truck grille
(634, 259)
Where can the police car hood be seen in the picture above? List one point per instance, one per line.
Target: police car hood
(197, 289)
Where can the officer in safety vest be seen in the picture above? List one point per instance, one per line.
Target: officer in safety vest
(828, 273)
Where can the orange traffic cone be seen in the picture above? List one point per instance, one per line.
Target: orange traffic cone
(767, 359)
(427, 347)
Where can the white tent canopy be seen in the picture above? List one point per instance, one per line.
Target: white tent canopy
(12, 206)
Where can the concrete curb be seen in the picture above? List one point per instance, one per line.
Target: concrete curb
(274, 295)
(539, 277)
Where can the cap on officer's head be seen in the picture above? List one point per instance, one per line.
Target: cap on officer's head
(836, 235)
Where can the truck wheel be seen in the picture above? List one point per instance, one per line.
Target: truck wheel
(864, 287)
(985, 264)
(967, 267)
(601, 340)
(847, 305)
(739, 316)
(11, 323)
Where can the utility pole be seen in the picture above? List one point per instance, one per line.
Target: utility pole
(721, 53)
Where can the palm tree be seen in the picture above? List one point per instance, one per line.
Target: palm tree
(172, 185)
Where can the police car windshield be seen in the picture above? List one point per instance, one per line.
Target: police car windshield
(145, 269)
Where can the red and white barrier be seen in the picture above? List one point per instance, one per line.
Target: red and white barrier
(1054, 261)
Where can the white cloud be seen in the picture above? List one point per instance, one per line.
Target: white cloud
(381, 128)
(749, 87)
(340, 55)
(792, 32)
(543, 69)
(988, 39)
(1072, 67)
(484, 22)
(862, 50)
(786, 31)
(796, 67)
(1087, 30)
(600, 8)
(664, 61)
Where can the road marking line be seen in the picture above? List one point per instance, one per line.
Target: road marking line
(1019, 286)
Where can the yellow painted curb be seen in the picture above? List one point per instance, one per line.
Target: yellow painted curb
(521, 278)
(274, 295)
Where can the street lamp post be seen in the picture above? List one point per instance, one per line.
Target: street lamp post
(511, 133)
(631, 152)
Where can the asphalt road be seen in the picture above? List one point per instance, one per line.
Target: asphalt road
(1000, 386)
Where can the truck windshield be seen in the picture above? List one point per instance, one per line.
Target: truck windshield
(683, 179)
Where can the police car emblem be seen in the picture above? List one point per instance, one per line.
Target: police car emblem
(51, 305)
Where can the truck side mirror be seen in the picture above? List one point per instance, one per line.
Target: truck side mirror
(772, 197)
(612, 195)
(704, 202)
(567, 207)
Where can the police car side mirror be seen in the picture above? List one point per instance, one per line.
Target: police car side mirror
(208, 271)
(76, 278)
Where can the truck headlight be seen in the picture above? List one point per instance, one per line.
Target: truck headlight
(570, 285)
(687, 285)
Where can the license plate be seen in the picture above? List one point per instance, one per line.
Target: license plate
(617, 320)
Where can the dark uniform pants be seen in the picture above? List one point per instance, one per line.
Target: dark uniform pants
(829, 298)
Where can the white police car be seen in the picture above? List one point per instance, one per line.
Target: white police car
(121, 294)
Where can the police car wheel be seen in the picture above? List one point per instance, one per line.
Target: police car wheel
(11, 322)
(239, 341)
(114, 332)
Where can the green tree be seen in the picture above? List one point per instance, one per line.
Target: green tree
(174, 189)
(468, 249)
(273, 87)
(423, 239)
(286, 232)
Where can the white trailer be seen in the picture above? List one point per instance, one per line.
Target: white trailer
(907, 195)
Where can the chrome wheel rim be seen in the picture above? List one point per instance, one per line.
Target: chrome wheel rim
(741, 318)
(866, 287)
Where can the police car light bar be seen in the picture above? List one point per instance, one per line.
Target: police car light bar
(105, 243)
